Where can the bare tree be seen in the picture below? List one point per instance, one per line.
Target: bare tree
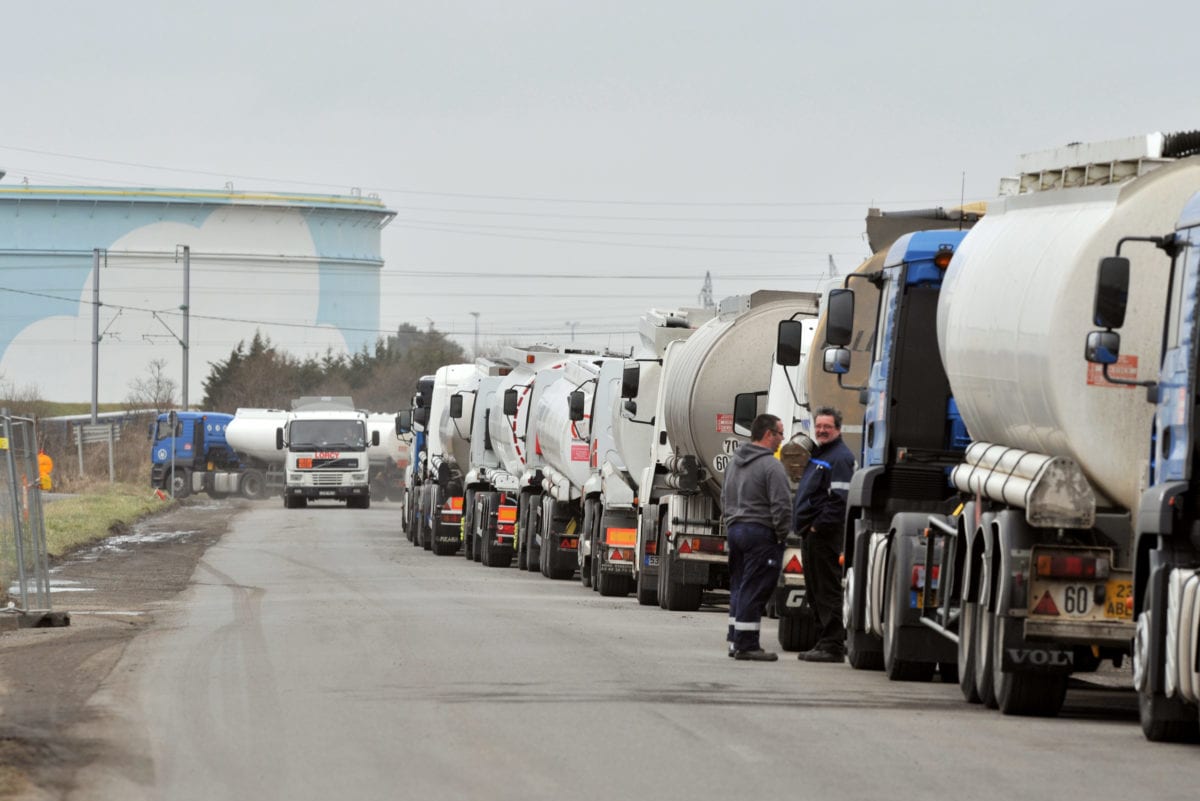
(155, 391)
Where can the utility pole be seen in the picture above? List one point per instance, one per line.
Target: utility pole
(186, 308)
(572, 326)
(95, 334)
(476, 316)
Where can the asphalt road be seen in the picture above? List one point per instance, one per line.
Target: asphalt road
(318, 655)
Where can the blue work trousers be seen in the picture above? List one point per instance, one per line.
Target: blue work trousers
(754, 564)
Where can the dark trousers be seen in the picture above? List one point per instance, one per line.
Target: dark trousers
(754, 564)
(821, 551)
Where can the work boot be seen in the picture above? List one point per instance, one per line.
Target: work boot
(819, 654)
(732, 651)
(757, 655)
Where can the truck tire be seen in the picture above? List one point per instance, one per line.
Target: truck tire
(468, 526)
(524, 525)
(612, 585)
(181, 482)
(1163, 720)
(1024, 693)
(673, 595)
(968, 628)
(585, 562)
(898, 669)
(985, 622)
(864, 651)
(533, 552)
(798, 632)
(254, 485)
(647, 593)
(358, 502)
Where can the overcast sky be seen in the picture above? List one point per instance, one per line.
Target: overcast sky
(566, 165)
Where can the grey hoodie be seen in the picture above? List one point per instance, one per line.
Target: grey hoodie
(756, 490)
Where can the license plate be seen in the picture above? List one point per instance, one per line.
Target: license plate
(651, 561)
(326, 493)
(1118, 603)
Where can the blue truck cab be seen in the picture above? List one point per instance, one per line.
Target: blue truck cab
(186, 446)
(912, 437)
(1166, 596)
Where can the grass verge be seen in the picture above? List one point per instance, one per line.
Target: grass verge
(74, 522)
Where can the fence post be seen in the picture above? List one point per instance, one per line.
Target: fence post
(112, 473)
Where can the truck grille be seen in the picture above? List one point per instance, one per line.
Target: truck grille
(326, 479)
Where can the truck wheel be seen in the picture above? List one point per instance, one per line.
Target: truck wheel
(533, 552)
(898, 669)
(798, 632)
(985, 622)
(181, 483)
(679, 597)
(612, 585)
(584, 562)
(1164, 720)
(864, 651)
(254, 485)
(647, 593)
(968, 627)
(523, 526)
(1024, 693)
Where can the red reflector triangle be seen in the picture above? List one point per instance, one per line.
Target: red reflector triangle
(685, 546)
(793, 565)
(1046, 606)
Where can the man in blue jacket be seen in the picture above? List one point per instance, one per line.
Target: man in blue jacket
(820, 515)
(756, 502)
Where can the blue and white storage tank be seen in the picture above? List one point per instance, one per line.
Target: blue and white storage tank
(302, 269)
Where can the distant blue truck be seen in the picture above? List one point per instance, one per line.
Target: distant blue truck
(189, 454)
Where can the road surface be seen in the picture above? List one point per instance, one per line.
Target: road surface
(319, 655)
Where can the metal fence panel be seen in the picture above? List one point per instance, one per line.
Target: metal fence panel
(24, 564)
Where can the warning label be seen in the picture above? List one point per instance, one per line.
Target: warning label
(579, 453)
(724, 423)
(1125, 369)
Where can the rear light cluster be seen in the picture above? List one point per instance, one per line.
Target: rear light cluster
(452, 507)
(918, 577)
(620, 555)
(506, 521)
(700, 545)
(1072, 567)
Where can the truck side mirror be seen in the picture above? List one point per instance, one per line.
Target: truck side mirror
(421, 416)
(630, 378)
(404, 422)
(1103, 347)
(510, 403)
(279, 439)
(375, 438)
(456, 402)
(745, 409)
(788, 343)
(837, 361)
(575, 405)
(839, 318)
(1112, 293)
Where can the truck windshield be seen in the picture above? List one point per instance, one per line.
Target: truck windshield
(332, 435)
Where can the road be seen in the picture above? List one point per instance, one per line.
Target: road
(318, 655)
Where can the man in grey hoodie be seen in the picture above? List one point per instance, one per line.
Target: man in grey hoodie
(757, 505)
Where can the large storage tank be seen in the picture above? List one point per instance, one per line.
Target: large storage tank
(300, 269)
(701, 376)
(1016, 307)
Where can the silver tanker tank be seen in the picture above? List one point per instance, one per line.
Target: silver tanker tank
(723, 357)
(1016, 306)
(251, 433)
(508, 433)
(565, 444)
(455, 432)
(390, 445)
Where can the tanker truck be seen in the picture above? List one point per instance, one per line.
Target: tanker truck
(489, 515)
(913, 438)
(440, 493)
(324, 443)
(388, 459)
(190, 453)
(1167, 543)
(565, 439)
(680, 540)
(414, 430)
(513, 431)
(1030, 575)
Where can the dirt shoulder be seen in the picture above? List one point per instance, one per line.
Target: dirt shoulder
(111, 590)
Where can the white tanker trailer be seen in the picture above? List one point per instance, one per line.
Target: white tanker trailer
(680, 541)
(440, 496)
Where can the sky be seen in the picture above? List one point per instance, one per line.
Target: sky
(557, 168)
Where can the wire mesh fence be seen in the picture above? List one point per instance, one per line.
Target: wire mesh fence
(24, 564)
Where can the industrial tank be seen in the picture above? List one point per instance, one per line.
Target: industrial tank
(390, 445)
(566, 444)
(702, 374)
(251, 433)
(455, 432)
(1016, 307)
(508, 433)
